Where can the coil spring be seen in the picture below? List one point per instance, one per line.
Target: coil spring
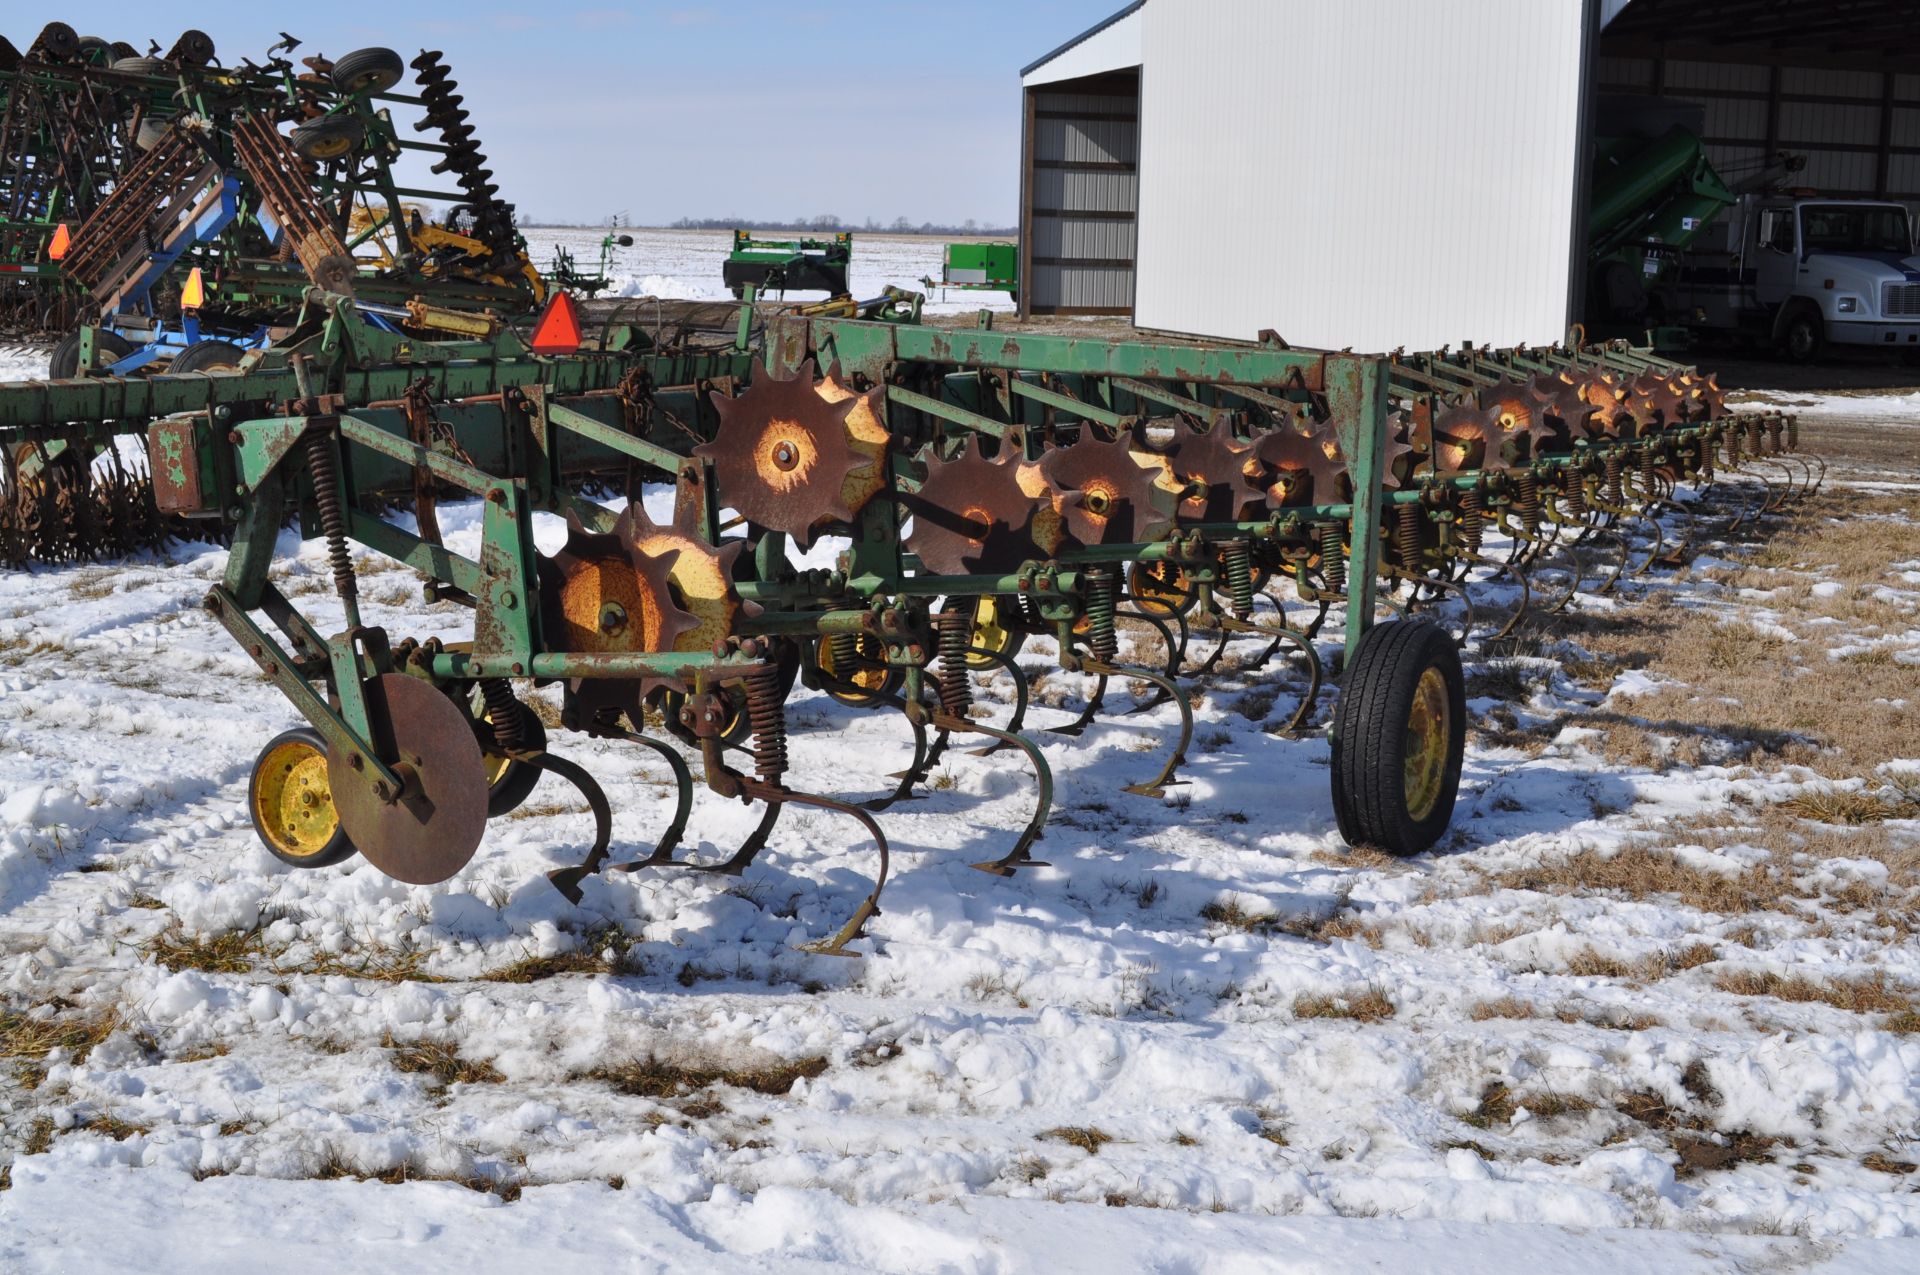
(1237, 558)
(323, 463)
(1647, 476)
(1730, 441)
(1703, 458)
(1614, 474)
(1574, 496)
(1473, 521)
(1333, 562)
(767, 713)
(1102, 639)
(446, 112)
(1793, 433)
(1406, 535)
(504, 712)
(843, 649)
(954, 628)
(1775, 426)
(1526, 500)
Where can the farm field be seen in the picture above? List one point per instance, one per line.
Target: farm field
(1657, 994)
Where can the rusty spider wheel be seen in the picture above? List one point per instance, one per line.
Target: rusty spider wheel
(1109, 491)
(970, 515)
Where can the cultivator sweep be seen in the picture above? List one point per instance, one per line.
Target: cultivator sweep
(1116, 499)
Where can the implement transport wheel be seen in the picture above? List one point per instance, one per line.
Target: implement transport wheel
(292, 803)
(328, 138)
(108, 349)
(875, 678)
(995, 630)
(509, 782)
(368, 71)
(204, 356)
(1399, 733)
(1160, 588)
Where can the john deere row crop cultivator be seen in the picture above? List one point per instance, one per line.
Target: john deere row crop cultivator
(124, 174)
(1110, 498)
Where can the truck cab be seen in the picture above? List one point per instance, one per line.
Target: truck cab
(1800, 273)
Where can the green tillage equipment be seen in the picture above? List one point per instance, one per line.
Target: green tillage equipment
(419, 743)
(1651, 199)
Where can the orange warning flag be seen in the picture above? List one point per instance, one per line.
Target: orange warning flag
(62, 240)
(194, 295)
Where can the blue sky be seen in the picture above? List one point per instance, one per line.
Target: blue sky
(666, 109)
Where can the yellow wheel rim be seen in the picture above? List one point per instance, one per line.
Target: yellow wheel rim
(1161, 588)
(990, 632)
(871, 675)
(292, 803)
(1428, 737)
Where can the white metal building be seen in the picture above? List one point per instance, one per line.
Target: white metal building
(1383, 173)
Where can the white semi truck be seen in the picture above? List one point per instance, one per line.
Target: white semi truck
(1799, 274)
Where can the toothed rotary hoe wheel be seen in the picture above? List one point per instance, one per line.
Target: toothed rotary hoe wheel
(597, 596)
(785, 457)
(970, 515)
(1110, 491)
(699, 575)
(1300, 469)
(1214, 470)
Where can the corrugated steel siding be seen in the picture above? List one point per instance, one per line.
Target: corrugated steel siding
(1834, 117)
(1329, 171)
(1082, 195)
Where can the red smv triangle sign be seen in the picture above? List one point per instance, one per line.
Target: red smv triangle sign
(558, 331)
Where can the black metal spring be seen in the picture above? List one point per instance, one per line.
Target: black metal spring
(324, 466)
(1615, 472)
(843, 651)
(1102, 639)
(767, 713)
(1406, 535)
(1333, 561)
(1526, 499)
(1237, 558)
(1473, 520)
(1574, 495)
(954, 629)
(1703, 458)
(504, 712)
(1647, 466)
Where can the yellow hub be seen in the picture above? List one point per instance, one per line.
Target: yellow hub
(991, 632)
(1428, 735)
(1160, 588)
(871, 673)
(292, 802)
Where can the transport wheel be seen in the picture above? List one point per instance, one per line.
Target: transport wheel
(292, 803)
(326, 139)
(875, 678)
(368, 71)
(995, 630)
(141, 66)
(733, 732)
(1399, 733)
(1805, 335)
(152, 131)
(108, 348)
(509, 782)
(203, 356)
(1160, 588)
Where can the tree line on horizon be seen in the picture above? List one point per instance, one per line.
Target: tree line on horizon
(824, 224)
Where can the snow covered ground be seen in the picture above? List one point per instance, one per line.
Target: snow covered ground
(1651, 1007)
(684, 265)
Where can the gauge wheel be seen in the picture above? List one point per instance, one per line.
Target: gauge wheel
(1160, 588)
(328, 138)
(509, 782)
(291, 802)
(1399, 735)
(733, 732)
(875, 678)
(368, 71)
(108, 348)
(204, 356)
(995, 629)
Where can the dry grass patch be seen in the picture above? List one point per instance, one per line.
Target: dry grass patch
(1505, 1007)
(655, 1077)
(1870, 995)
(1853, 808)
(1369, 1006)
(1086, 1137)
(1638, 873)
(232, 953)
(28, 1038)
(443, 1061)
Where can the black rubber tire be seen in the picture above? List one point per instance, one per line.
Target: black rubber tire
(142, 66)
(339, 848)
(1804, 334)
(368, 71)
(1370, 737)
(328, 138)
(93, 50)
(509, 792)
(64, 363)
(152, 131)
(205, 356)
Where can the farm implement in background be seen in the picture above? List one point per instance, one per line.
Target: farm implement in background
(1115, 498)
(228, 192)
(978, 267)
(788, 265)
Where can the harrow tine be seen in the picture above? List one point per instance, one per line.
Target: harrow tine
(1439, 586)
(1156, 787)
(1519, 578)
(1173, 661)
(567, 880)
(662, 855)
(1020, 697)
(1281, 634)
(1079, 725)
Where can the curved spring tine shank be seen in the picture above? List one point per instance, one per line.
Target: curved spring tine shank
(1020, 697)
(1155, 787)
(662, 855)
(567, 880)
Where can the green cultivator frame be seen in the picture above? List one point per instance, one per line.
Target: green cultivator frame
(1112, 498)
